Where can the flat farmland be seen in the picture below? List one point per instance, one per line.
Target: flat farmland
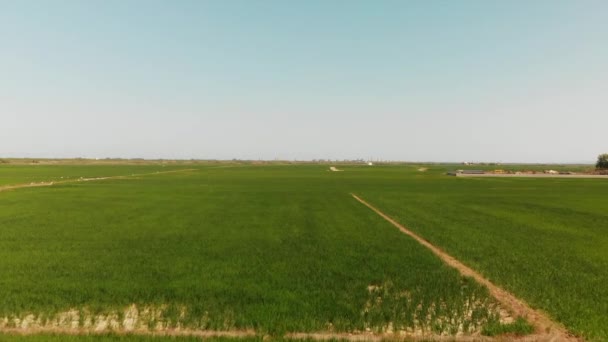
(545, 240)
(281, 249)
(268, 249)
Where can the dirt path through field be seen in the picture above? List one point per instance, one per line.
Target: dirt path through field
(202, 334)
(372, 337)
(76, 180)
(29, 185)
(314, 336)
(546, 329)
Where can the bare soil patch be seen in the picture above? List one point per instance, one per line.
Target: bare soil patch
(149, 320)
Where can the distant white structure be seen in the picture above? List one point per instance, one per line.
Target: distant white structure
(370, 163)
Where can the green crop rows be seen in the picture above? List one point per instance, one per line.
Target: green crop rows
(284, 248)
(545, 240)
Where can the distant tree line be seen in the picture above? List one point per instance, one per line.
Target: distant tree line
(602, 162)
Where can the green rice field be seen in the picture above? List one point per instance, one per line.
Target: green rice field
(277, 249)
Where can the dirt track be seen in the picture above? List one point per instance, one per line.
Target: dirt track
(546, 329)
(29, 185)
(76, 180)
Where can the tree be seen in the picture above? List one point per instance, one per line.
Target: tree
(602, 161)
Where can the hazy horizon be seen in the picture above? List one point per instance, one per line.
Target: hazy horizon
(510, 82)
(317, 160)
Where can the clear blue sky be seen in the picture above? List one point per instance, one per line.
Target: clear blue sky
(511, 81)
